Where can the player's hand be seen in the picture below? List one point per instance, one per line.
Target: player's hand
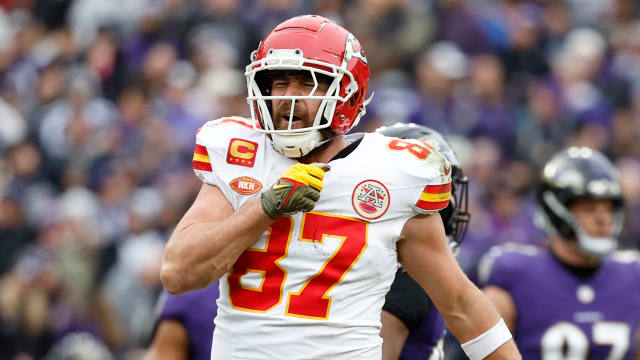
(297, 190)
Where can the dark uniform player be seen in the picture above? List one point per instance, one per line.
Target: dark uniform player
(577, 299)
(184, 326)
(412, 328)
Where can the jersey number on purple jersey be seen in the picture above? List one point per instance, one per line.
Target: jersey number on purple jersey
(565, 340)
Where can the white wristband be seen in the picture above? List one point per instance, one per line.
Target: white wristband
(486, 343)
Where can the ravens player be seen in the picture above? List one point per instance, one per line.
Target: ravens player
(577, 298)
(184, 325)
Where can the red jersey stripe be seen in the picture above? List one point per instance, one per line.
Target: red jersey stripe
(199, 165)
(438, 189)
(432, 206)
(201, 150)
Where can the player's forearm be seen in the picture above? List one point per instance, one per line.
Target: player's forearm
(507, 351)
(470, 315)
(199, 253)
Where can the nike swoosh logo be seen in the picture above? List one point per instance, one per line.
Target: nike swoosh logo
(279, 186)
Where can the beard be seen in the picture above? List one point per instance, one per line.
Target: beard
(281, 116)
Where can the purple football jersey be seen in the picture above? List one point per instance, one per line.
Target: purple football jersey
(196, 310)
(560, 316)
(426, 339)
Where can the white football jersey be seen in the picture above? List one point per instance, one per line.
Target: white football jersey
(313, 285)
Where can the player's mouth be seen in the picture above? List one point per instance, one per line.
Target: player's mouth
(296, 123)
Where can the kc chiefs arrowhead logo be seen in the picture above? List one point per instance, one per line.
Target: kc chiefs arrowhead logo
(370, 199)
(242, 152)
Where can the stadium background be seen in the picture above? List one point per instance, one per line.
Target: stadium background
(99, 102)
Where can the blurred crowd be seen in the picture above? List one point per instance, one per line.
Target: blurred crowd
(100, 100)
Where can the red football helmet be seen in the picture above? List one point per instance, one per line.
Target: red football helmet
(322, 47)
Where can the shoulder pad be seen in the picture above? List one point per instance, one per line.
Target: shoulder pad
(435, 171)
(626, 256)
(524, 249)
(230, 120)
(216, 142)
(506, 253)
(414, 157)
(237, 120)
(429, 169)
(213, 131)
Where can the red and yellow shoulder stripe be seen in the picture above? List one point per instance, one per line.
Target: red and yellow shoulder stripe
(434, 197)
(201, 159)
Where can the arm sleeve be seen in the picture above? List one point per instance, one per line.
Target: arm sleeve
(167, 307)
(407, 301)
(173, 307)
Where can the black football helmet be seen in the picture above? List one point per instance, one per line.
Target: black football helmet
(573, 174)
(456, 215)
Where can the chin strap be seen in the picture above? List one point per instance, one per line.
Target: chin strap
(297, 145)
(595, 246)
(300, 144)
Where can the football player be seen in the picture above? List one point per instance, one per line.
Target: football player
(412, 328)
(304, 225)
(577, 298)
(184, 326)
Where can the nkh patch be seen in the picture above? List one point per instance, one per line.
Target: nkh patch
(245, 185)
(370, 199)
(242, 152)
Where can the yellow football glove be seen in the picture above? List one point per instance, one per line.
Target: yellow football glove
(297, 190)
